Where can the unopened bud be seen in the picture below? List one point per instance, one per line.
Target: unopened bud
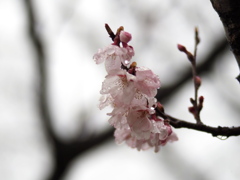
(201, 99)
(182, 48)
(197, 81)
(134, 64)
(191, 110)
(197, 39)
(121, 28)
(125, 36)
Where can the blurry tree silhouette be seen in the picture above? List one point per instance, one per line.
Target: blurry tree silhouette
(65, 152)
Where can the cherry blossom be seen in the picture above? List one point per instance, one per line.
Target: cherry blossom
(139, 124)
(146, 81)
(131, 91)
(114, 57)
(119, 87)
(125, 135)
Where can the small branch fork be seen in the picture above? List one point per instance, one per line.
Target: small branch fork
(197, 102)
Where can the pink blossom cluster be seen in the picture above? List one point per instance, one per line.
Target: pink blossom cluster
(131, 91)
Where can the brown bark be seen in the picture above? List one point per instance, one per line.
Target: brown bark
(229, 13)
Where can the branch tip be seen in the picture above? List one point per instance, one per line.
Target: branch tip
(110, 32)
(197, 39)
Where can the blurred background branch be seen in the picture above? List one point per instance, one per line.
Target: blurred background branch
(42, 101)
(64, 152)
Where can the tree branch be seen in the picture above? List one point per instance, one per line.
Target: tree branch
(229, 13)
(215, 131)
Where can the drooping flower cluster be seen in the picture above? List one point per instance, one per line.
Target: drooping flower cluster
(131, 91)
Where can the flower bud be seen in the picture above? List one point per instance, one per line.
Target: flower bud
(133, 65)
(181, 48)
(191, 110)
(201, 99)
(125, 37)
(197, 81)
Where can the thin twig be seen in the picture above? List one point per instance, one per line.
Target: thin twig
(110, 32)
(166, 92)
(196, 83)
